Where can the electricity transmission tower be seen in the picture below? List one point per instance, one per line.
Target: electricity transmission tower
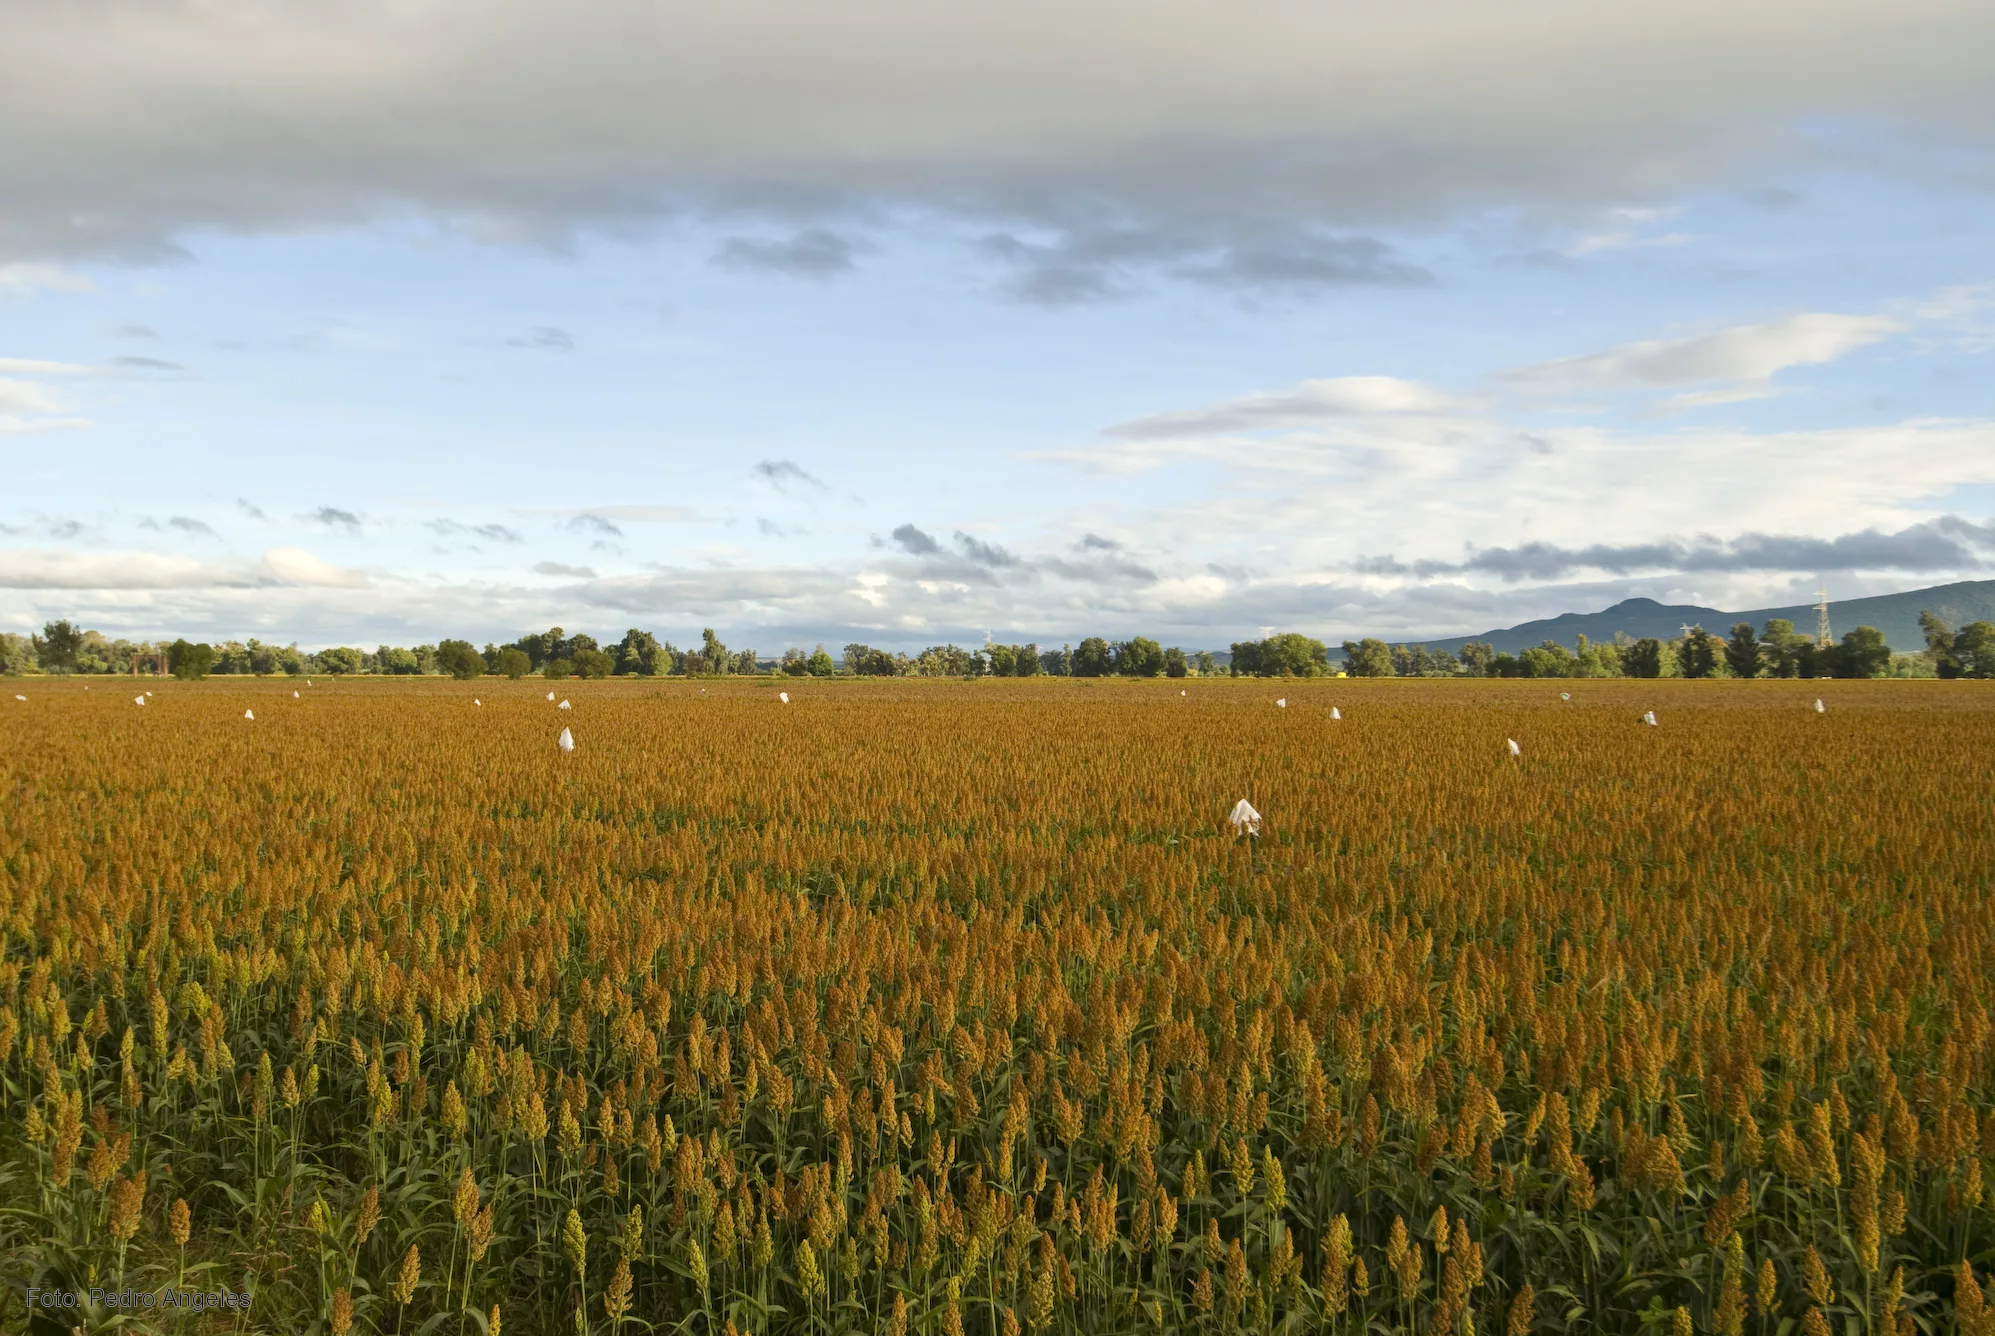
(1822, 617)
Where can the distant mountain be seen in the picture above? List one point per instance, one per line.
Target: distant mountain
(1897, 615)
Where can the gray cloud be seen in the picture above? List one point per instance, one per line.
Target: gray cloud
(558, 568)
(916, 543)
(1094, 542)
(1095, 262)
(497, 533)
(545, 338)
(1113, 571)
(136, 332)
(1949, 543)
(252, 511)
(983, 554)
(1774, 199)
(778, 473)
(330, 515)
(592, 523)
(146, 364)
(1308, 262)
(527, 123)
(191, 526)
(813, 253)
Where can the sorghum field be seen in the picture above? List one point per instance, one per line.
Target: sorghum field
(946, 1007)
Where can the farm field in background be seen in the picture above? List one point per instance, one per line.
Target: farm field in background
(955, 1007)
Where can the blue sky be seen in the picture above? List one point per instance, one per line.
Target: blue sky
(906, 325)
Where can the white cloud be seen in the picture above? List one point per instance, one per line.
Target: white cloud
(24, 396)
(20, 279)
(296, 566)
(1743, 354)
(640, 514)
(1311, 401)
(28, 366)
(27, 405)
(55, 568)
(45, 568)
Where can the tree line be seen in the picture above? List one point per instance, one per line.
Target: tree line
(1777, 650)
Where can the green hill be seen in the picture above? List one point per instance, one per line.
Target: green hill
(1897, 615)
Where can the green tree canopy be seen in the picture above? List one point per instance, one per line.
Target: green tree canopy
(1862, 653)
(1140, 657)
(459, 659)
(1742, 651)
(1369, 657)
(1782, 651)
(640, 653)
(1698, 654)
(188, 661)
(1644, 658)
(1092, 658)
(57, 647)
(865, 661)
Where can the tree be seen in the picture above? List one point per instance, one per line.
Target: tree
(190, 662)
(1597, 660)
(539, 649)
(340, 660)
(865, 661)
(592, 663)
(1644, 658)
(1547, 660)
(1141, 657)
(1204, 663)
(1742, 651)
(514, 663)
(401, 662)
(948, 661)
(1476, 655)
(793, 662)
(1092, 658)
(1782, 651)
(1058, 662)
(459, 659)
(712, 658)
(16, 653)
(1290, 654)
(1175, 664)
(554, 670)
(57, 647)
(639, 652)
(1369, 657)
(1939, 645)
(1863, 653)
(819, 664)
(1974, 649)
(1697, 654)
(744, 662)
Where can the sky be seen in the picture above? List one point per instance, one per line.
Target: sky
(912, 323)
